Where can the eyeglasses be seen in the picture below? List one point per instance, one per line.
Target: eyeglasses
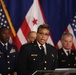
(43, 34)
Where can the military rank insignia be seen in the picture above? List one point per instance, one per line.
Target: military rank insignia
(12, 50)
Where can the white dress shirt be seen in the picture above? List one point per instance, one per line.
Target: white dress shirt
(65, 50)
(43, 46)
(6, 44)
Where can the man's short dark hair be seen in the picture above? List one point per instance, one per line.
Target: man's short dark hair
(66, 34)
(43, 26)
(30, 33)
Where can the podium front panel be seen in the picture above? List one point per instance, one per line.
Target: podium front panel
(68, 71)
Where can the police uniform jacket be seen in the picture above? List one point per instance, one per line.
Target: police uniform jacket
(8, 59)
(30, 59)
(65, 61)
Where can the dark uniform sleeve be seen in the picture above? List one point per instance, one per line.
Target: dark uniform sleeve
(22, 62)
(56, 58)
(16, 59)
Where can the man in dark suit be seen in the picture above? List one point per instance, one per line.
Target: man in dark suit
(31, 36)
(37, 55)
(67, 56)
(8, 53)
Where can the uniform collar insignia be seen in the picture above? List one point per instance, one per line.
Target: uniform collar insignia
(34, 55)
(52, 55)
(63, 60)
(75, 57)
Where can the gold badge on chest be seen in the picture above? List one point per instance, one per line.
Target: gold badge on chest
(75, 57)
(34, 55)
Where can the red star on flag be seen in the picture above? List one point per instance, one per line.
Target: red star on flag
(34, 21)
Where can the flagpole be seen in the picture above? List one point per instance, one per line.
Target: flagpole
(8, 18)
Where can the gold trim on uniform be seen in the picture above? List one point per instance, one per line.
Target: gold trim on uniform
(8, 62)
(8, 68)
(72, 53)
(74, 64)
(52, 55)
(63, 60)
(7, 56)
(75, 57)
(45, 62)
(68, 64)
(9, 74)
(34, 55)
(15, 73)
(12, 50)
(44, 68)
(34, 59)
(0, 74)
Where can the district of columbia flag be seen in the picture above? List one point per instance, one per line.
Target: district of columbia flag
(32, 20)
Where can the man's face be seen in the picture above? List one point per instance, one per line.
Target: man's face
(42, 36)
(67, 42)
(32, 37)
(4, 35)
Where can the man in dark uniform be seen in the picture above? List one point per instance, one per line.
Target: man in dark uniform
(8, 53)
(67, 56)
(37, 55)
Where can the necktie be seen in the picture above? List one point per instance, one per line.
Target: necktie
(5, 46)
(42, 52)
(5, 51)
(42, 49)
(68, 53)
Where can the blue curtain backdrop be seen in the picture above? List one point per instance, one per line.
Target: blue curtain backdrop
(58, 14)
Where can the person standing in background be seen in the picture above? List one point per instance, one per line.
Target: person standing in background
(38, 55)
(31, 36)
(67, 56)
(8, 53)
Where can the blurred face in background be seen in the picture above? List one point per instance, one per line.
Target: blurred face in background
(42, 36)
(4, 35)
(32, 37)
(67, 42)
